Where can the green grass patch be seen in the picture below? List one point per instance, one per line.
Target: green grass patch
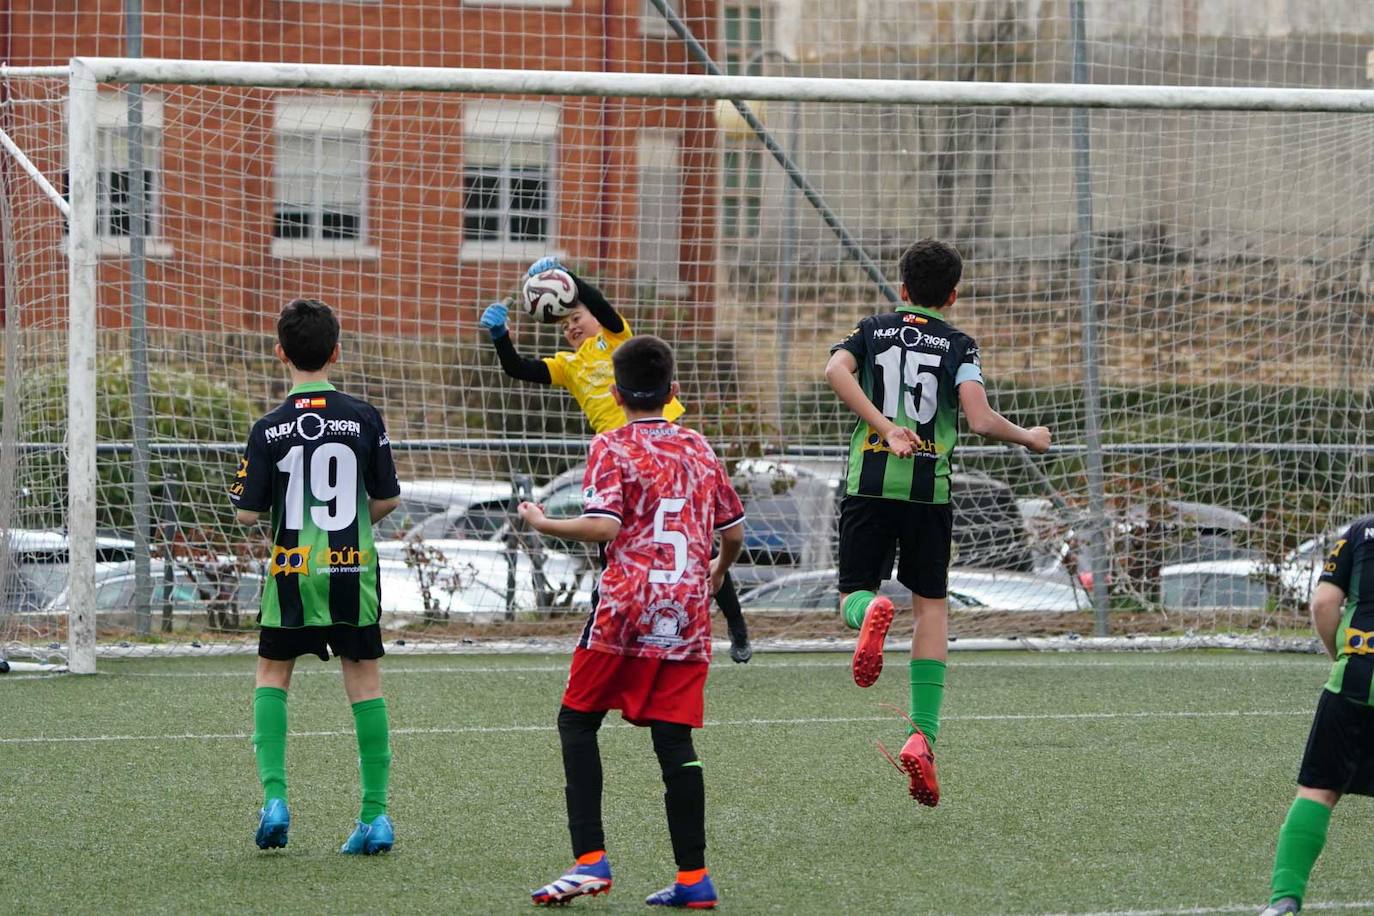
(1073, 784)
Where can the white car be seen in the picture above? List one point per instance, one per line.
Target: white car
(425, 499)
(193, 589)
(969, 590)
(475, 577)
(38, 561)
(1238, 584)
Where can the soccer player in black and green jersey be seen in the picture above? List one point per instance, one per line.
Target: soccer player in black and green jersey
(907, 374)
(1339, 759)
(321, 462)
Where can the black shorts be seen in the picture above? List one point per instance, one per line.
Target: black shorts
(345, 640)
(871, 529)
(1340, 747)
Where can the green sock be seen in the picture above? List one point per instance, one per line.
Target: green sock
(854, 607)
(269, 740)
(374, 755)
(927, 693)
(1301, 839)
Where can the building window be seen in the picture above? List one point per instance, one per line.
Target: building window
(651, 21)
(742, 159)
(660, 213)
(508, 179)
(321, 177)
(116, 183)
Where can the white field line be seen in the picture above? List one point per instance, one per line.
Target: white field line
(1134, 663)
(1365, 906)
(710, 723)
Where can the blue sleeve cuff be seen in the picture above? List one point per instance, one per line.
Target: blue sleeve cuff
(968, 372)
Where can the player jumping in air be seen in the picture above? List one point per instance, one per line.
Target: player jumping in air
(655, 494)
(1339, 759)
(321, 463)
(915, 372)
(594, 329)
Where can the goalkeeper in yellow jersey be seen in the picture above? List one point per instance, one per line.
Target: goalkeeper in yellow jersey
(594, 330)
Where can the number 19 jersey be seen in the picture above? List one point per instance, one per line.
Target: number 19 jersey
(314, 462)
(911, 364)
(670, 493)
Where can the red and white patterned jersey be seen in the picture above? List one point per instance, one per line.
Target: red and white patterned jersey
(670, 493)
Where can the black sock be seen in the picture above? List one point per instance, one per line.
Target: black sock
(684, 796)
(582, 774)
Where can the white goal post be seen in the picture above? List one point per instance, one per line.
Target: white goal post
(87, 75)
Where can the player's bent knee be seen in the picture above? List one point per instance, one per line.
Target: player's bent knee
(672, 745)
(577, 727)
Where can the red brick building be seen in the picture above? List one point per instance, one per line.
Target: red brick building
(398, 207)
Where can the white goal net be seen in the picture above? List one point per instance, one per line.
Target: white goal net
(1182, 296)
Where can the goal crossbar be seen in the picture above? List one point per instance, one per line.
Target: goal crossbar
(692, 86)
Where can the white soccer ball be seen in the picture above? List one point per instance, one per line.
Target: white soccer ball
(550, 295)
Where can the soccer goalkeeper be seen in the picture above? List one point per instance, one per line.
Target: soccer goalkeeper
(594, 330)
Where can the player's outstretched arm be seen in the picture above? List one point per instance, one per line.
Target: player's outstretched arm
(983, 420)
(596, 303)
(493, 320)
(587, 295)
(595, 529)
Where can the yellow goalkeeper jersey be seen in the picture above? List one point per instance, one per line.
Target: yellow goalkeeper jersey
(588, 375)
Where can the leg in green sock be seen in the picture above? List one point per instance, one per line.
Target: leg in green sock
(1301, 839)
(269, 740)
(855, 603)
(374, 755)
(927, 695)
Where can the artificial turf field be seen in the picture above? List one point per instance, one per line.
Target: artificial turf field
(1073, 783)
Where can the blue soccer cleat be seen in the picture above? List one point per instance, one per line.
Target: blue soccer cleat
(590, 879)
(1286, 906)
(370, 839)
(273, 823)
(699, 896)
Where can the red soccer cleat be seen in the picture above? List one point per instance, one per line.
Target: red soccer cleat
(868, 654)
(917, 761)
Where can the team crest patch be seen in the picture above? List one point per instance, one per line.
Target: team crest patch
(289, 561)
(662, 624)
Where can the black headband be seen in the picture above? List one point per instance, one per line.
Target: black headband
(644, 395)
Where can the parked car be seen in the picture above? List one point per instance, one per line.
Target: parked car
(791, 522)
(222, 592)
(557, 580)
(37, 564)
(792, 508)
(1140, 537)
(1241, 584)
(424, 499)
(969, 589)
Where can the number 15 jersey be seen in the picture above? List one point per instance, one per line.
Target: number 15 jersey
(314, 462)
(911, 364)
(670, 493)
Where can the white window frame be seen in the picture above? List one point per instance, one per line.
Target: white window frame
(489, 119)
(322, 116)
(551, 4)
(112, 114)
(652, 24)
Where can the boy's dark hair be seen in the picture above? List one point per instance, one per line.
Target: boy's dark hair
(930, 271)
(308, 331)
(644, 369)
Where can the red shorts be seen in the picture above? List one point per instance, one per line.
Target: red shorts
(643, 689)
